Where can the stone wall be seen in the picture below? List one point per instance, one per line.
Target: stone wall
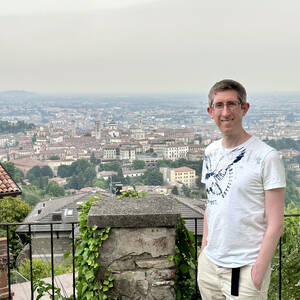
(139, 245)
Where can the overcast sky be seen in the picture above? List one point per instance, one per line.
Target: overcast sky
(148, 46)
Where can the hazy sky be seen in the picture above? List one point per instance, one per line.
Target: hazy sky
(141, 46)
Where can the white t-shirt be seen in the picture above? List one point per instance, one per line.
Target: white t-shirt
(235, 182)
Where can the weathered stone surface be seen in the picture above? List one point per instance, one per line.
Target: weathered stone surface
(131, 284)
(149, 211)
(163, 263)
(163, 293)
(158, 275)
(140, 241)
(123, 242)
(161, 283)
(123, 265)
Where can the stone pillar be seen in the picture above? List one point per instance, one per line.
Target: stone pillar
(3, 270)
(141, 239)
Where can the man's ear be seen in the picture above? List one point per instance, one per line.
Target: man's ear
(245, 107)
(209, 111)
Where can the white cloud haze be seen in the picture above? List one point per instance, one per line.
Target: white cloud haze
(148, 46)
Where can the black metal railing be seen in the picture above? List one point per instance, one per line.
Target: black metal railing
(52, 230)
(29, 233)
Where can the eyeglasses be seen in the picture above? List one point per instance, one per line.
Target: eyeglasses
(231, 105)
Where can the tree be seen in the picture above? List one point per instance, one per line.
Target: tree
(79, 166)
(47, 171)
(152, 176)
(186, 191)
(16, 174)
(34, 173)
(10, 168)
(64, 171)
(75, 182)
(290, 258)
(30, 199)
(13, 210)
(175, 190)
(291, 194)
(81, 173)
(111, 166)
(54, 157)
(138, 164)
(41, 182)
(89, 176)
(94, 160)
(55, 190)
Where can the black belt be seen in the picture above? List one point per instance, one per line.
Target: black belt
(235, 279)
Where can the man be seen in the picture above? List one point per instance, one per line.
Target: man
(243, 221)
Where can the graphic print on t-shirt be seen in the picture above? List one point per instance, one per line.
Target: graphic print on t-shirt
(219, 179)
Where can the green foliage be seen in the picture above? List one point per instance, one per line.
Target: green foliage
(43, 288)
(19, 126)
(13, 210)
(54, 157)
(94, 160)
(132, 194)
(292, 195)
(34, 173)
(87, 262)
(87, 258)
(111, 166)
(16, 174)
(285, 143)
(138, 164)
(186, 191)
(42, 268)
(175, 190)
(290, 259)
(80, 173)
(40, 182)
(152, 176)
(185, 263)
(47, 171)
(102, 183)
(64, 171)
(31, 199)
(53, 189)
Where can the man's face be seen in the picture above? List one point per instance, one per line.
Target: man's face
(228, 112)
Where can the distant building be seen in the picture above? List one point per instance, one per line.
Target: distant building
(175, 151)
(62, 209)
(134, 173)
(182, 175)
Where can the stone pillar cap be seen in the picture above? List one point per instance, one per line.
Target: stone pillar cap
(149, 211)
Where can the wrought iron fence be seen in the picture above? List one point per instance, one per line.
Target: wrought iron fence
(73, 225)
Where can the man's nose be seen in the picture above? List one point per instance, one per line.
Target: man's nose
(226, 111)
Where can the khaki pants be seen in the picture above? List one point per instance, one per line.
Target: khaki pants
(215, 282)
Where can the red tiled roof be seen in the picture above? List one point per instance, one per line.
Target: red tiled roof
(7, 185)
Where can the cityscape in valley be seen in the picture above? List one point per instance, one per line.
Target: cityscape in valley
(124, 136)
(59, 152)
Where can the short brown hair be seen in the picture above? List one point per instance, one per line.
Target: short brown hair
(227, 84)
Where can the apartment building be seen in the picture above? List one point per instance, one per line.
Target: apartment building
(175, 151)
(182, 175)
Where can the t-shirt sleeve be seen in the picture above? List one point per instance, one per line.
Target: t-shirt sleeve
(273, 171)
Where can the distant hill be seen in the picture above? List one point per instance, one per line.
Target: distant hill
(15, 127)
(17, 95)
